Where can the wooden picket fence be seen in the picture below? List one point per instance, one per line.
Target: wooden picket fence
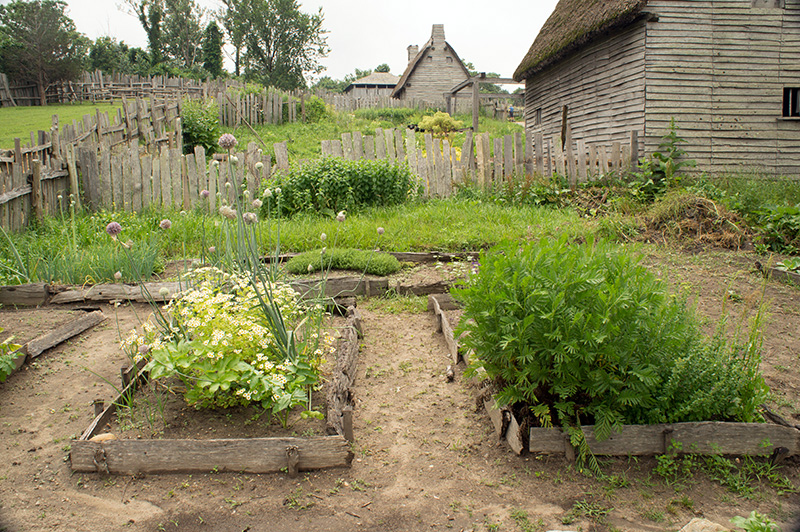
(486, 161)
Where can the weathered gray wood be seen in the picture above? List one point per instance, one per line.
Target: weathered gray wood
(339, 389)
(514, 436)
(508, 157)
(341, 287)
(121, 292)
(281, 155)
(438, 287)
(250, 455)
(444, 301)
(23, 295)
(710, 437)
(39, 345)
(783, 275)
(443, 325)
(380, 145)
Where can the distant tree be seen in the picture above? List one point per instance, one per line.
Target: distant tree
(281, 44)
(212, 50)
(235, 27)
(150, 14)
(182, 32)
(329, 84)
(108, 55)
(40, 44)
(383, 67)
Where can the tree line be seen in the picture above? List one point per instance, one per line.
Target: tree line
(274, 43)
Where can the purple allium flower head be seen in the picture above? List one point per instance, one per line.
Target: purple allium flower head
(341, 216)
(250, 218)
(323, 237)
(257, 203)
(113, 229)
(212, 249)
(117, 275)
(205, 193)
(227, 141)
(165, 224)
(380, 230)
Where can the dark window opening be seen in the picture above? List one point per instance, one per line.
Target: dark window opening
(791, 102)
(537, 117)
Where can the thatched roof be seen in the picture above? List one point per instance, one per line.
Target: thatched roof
(572, 24)
(383, 79)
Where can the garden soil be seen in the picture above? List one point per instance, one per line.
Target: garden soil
(426, 458)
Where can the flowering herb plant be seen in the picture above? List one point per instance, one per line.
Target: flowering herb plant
(224, 353)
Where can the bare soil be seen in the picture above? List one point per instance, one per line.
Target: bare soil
(425, 457)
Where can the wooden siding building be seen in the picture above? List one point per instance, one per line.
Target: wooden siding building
(727, 71)
(431, 71)
(375, 85)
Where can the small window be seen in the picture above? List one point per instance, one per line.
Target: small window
(791, 102)
(449, 59)
(537, 117)
(430, 58)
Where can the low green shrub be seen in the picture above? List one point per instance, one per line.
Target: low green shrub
(333, 184)
(584, 334)
(396, 115)
(200, 123)
(440, 124)
(8, 357)
(316, 110)
(370, 262)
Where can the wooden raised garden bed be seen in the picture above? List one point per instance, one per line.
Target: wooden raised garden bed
(779, 439)
(94, 452)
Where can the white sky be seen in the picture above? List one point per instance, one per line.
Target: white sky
(494, 36)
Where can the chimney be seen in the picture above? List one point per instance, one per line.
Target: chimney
(413, 50)
(437, 35)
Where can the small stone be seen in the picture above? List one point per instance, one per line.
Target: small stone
(703, 525)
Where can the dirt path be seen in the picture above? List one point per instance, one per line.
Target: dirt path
(425, 458)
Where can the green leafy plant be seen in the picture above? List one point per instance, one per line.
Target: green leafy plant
(789, 265)
(373, 263)
(8, 358)
(333, 184)
(583, 334)
(663, 166)
(756, 522)
(316, 110)
(199, 122)
(224, 353)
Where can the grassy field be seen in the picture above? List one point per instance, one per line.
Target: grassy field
(18, 122)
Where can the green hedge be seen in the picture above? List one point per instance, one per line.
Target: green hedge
(371, 262)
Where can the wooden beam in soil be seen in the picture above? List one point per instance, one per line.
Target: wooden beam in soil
(783, 275)
(339, 396)
(707, 437)
(505, 424)
(246, 455)
(41, 344)
(443, 325)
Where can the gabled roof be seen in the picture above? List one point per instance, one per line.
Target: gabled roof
(376, 78)
(422, 53)
(572, 24)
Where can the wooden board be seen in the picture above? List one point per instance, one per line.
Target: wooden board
(250, 455)
(443, 325)
(122, 292)
(23, 295)
(783, 275)
(342, 286)
(37, 346)
(710, 437)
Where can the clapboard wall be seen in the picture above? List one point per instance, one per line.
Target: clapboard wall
(719, 67)
(602, 86)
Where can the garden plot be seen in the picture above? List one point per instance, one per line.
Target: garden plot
(425, 458)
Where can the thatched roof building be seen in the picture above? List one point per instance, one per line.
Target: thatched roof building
(375, 84)
(721, 69)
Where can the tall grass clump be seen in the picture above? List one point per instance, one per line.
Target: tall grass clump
(582, 334)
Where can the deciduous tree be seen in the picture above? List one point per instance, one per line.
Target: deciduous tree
(212, 50)
(282, 44)
(40, 43)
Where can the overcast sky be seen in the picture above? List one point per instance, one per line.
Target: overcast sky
(494, 35)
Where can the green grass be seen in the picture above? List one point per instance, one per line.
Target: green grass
(304, 140)
(18, 122)
(436, 225)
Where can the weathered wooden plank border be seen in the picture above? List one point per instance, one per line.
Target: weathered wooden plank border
(706, 437)
(339, 392)
(783, 275)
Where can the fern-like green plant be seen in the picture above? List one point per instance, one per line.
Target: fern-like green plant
(583, 334)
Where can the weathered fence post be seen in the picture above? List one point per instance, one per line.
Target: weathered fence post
(36, 190)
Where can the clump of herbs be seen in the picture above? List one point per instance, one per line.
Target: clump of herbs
(370, 262)
(583, 334)
(661, 170)
(334, 184)
(200, 124)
